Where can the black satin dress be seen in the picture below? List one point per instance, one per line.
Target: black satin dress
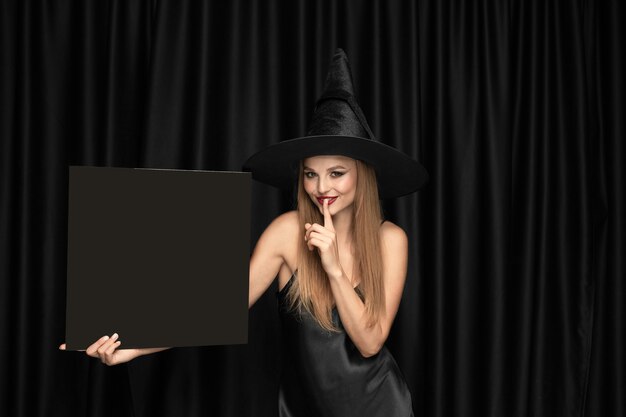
(324, 375)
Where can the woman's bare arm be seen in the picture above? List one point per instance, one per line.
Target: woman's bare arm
(370, 339)
(394, 246)
(106, 349)
(278, 241)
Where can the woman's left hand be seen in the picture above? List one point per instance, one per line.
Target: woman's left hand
(325, 240)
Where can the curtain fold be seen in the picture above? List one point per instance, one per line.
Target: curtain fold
(514, 300)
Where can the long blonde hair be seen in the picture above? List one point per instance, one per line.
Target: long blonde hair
(311, 290)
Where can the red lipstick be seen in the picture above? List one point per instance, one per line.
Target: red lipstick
(321, 199)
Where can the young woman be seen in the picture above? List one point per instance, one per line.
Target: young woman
(341, 268)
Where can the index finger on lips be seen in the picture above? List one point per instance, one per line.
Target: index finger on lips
(328, 220)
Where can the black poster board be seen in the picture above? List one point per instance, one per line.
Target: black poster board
(159, 256)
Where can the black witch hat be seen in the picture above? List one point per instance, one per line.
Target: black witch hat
(339, 128)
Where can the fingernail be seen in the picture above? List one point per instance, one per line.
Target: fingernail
(115, 336)
(106, 337)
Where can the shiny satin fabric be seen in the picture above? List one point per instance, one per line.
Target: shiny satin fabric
(325, 375)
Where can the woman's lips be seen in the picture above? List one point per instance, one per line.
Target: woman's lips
(331, 200)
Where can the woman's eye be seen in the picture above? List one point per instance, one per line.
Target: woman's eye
(309, 174)
(336, 174)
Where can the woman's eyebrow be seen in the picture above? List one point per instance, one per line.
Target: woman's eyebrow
(306, 168)
(336, 167)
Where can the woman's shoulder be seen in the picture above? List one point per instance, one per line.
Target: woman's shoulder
(286, 221)
(283, 228)
(393, 234)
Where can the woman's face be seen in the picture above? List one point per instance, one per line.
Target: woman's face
(333, 178)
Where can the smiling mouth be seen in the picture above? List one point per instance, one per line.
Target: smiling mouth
(331, 200)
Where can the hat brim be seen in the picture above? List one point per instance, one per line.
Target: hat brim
(397, 174)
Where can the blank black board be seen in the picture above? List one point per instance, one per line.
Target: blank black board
(159, 256)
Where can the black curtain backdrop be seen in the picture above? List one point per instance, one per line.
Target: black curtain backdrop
(515, 293)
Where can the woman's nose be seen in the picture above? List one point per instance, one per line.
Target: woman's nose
(322, 186)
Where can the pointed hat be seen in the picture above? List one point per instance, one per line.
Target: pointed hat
(338, 127)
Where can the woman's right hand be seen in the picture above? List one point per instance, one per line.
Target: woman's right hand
(106, 349)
